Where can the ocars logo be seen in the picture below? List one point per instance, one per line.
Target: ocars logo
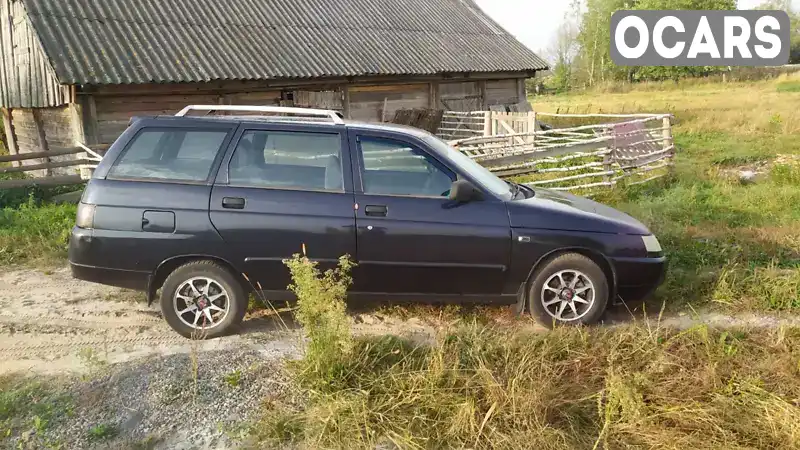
(700, 38)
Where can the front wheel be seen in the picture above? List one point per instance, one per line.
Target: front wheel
(202, 300)
(569, 289)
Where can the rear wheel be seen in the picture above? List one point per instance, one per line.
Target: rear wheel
(202, 300)
(569, 289)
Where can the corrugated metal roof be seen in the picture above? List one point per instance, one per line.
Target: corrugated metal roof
(145, 41)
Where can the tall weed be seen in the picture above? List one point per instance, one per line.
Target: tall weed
(321, 310)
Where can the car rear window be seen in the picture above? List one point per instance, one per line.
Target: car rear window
(170, 154)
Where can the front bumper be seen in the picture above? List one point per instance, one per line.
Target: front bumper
(638, 278)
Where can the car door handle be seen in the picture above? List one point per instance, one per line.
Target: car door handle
(233, 203)
(376, 210)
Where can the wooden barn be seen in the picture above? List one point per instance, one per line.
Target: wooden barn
(77, 70)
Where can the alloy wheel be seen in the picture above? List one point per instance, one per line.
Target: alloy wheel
(201, 303)
(568, 295)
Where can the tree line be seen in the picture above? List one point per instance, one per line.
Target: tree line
(580, 52)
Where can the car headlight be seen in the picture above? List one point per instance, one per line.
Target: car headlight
(651, 244)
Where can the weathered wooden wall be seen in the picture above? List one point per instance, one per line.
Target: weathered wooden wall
(464, 96)
(380, 103)
(106, 111)
(502, 92)
(26, 77)
(46, 129)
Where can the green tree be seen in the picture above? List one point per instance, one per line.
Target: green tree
(594, 40)
(786, 5)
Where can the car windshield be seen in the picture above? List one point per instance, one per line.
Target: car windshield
(481, 174)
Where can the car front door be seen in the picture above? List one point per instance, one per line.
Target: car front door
(280, 189)
(411, 238)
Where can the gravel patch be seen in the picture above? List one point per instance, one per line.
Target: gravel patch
(184, 401)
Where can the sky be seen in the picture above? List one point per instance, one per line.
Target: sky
(535, 22)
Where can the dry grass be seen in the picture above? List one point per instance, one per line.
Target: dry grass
(481, 387)
(740, 108)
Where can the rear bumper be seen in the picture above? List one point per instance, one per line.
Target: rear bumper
(638, 278)
(83, 257)
(112, 277)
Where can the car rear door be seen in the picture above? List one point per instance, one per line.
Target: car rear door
(282, 187)
(411, 238)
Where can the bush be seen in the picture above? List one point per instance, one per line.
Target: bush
(321, 310)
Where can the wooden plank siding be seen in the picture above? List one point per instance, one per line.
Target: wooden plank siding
(55, 129)
(380, 103)
(26, 77)
(114, 106)
(462, 96)
(502, 92)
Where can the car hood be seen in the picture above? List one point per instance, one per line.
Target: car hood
(556, 210)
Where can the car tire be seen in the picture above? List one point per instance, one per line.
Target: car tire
(214, 292)
(555, 297)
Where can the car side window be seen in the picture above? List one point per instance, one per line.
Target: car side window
(396, 168)
(288, 160)
(169, 154)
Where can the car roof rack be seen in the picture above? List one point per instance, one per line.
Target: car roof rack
(309, 112)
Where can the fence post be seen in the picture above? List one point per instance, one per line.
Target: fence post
(532, 126)
(667, 135)
(487, 123)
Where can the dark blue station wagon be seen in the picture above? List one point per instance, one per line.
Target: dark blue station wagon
(188, 205)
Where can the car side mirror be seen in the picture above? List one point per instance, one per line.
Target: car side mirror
(462, 191)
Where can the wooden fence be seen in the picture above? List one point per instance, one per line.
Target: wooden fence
(81, 158)
(461, 125)
(593, 151)
(634, 148)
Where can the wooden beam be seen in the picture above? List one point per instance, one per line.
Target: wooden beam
(288, 83)
(36, 155)
(49, 165)
(37, 122)
(47, 181)
(482, 91)
(434, 95)
(11, 139)
(346, 101)
(91, 129)
(521, 90)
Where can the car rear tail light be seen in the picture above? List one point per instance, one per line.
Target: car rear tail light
(85, 216)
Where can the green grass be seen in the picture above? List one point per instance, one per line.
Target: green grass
(789, 86)
(35, 233)
(102, 432)
(484, 388)
(711, 225)
(30, 405)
